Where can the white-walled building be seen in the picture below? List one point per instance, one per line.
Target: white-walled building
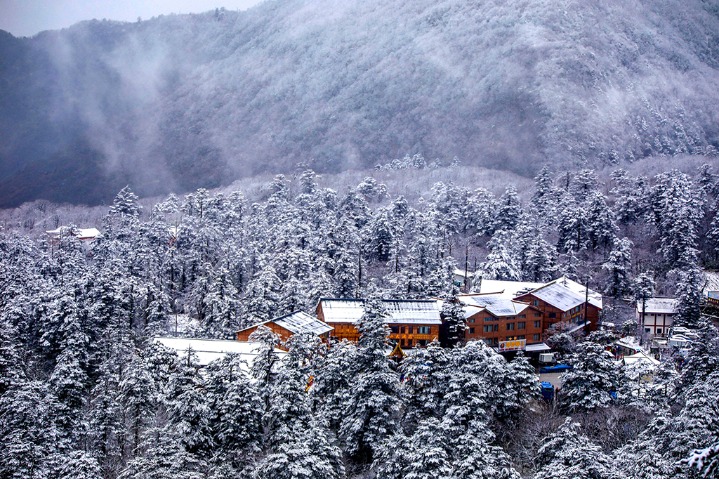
(658, 316)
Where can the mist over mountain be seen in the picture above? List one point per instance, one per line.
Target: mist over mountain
(185, 101)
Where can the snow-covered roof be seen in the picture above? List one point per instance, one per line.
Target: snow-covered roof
(299, 323)
(460, 272)
(497, 304)
(79, 233)
(207, 350)
(87, 233)
(629, 342)
(565, 294)
(659, 305)
(640, 357)
(539, 347)
(509, 289)
(399, 311)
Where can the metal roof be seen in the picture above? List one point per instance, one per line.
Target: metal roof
(508, 289)
(398, 311)
(497, 304)
(299, 322)
(565, 294)
(659, 305)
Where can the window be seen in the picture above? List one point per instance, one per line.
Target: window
(537, 314)
(424, 330)
(409, 343)
(522, 325)
(510, 326)
(496, 327)
(537, 324)
(401, 330)
(535, 337)
(646, 330)
(488, 328)
(535, 302)
(394, 329)
(521, 336)
(471, 330)
(659, 331)
(411, 329)
(552, 315)
(489, 318)
(522, 316)
(471, 320)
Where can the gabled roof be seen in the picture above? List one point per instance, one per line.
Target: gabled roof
(565, 294)
(399, 311)
(659, 305)
(497, 304)
(79, 233)
(298, 323)
(508, 289)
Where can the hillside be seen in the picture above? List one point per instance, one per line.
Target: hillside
(187, 101)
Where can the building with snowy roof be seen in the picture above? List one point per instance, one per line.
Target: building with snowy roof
(208, 350)
(564, 300)
(508, 289)
(288, 325)
(500, 321)
(656, 315)
(411, 322)
(83, 234)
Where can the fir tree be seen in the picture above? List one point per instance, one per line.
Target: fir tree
(372, 408)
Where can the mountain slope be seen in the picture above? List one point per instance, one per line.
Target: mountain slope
(179, 102)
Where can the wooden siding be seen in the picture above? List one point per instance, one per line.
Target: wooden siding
(477, 322)
(283, 333)
(407, 335)
(552, 315)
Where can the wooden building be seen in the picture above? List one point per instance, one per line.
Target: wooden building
(658, 315)
(83, 234)
(288, 325)
(501, 322)
(411, 322)
(564, 300)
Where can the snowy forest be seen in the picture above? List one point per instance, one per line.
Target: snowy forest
(86, 394)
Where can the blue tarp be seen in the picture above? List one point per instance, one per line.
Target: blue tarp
(557, 368)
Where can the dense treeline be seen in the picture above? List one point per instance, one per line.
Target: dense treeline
(185, 101)
(84, 392)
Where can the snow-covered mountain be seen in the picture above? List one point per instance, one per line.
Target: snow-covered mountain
(179, 102)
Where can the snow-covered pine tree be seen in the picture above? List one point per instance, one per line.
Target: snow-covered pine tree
(594, 375)
(453, 322)
(567, 454)
(371, 410)
(618, 265)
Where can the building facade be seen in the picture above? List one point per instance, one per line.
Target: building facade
(501, 322)
(287, 326)
(412, 323)
(564, 300)
(657, 315)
